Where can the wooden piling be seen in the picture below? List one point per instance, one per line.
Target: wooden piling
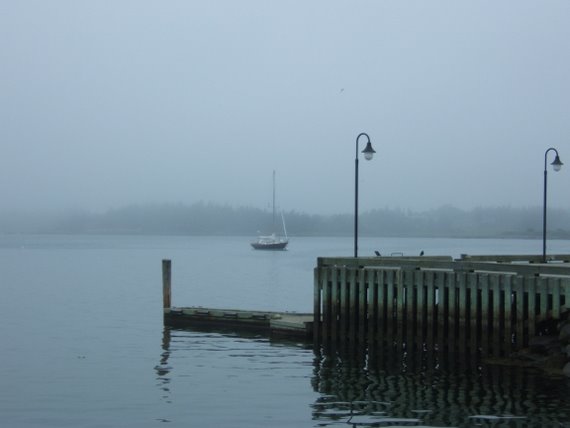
(166, 283)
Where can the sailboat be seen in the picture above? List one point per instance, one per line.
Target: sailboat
(273, 241)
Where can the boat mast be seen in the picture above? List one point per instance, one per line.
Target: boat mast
(273, 201)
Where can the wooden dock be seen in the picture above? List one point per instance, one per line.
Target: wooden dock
(480, 305)
(282, 324)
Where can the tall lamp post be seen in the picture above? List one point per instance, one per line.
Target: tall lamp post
(556, 165)
(368, 155)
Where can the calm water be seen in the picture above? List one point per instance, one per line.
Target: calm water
(83, 343)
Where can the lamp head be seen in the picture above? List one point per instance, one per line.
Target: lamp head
(369, 152)
(556, 164)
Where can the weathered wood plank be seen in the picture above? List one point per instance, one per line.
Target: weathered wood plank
(565, 294)
(507, 314)
(431, 307)
(421, 307)
(344, 304)
(317, 302)
(326, 286)
(502, 258)
(381, 330)
(531, 307)
(461, 281)
(520, 311)
(484, 287)
(555, 293)
(372, 309)
(409, 333)
(542, 289)
(390, 307)
(362, 295)
(496, 314)
(353, 305)
(334, 305)
(400, 305)
(440, 311)
(447, 263)
(474, 310)
(452, 311)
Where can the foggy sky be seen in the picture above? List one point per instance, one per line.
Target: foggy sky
(109, 103)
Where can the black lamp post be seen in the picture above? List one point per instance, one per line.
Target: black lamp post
(368, 155)
(556, 165)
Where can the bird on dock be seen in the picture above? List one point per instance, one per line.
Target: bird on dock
(421, 253)
(377, 253)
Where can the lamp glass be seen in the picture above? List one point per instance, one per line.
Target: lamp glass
(368, 151)
(557, 164)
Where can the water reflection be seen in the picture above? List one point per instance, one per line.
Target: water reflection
(391, 387)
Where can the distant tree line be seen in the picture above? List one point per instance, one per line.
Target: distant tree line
(216, 219)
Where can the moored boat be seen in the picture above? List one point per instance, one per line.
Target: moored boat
(273, 241)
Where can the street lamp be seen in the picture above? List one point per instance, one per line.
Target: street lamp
(556, 165)
(368, 155)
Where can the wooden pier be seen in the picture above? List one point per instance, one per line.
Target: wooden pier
(283, 324)
(484, 305)
(480, 305)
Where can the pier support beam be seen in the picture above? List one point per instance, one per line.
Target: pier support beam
(166, 283)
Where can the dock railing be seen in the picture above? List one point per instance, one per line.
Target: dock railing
(484, 305)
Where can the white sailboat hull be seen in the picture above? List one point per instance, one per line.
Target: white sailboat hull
(270, 242)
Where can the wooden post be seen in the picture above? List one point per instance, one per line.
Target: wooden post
(352, 304)
(508, 320)
(369, 307)
(317, 301)
(344, 305)
(485, 339)
(326, 307)
(421, 309)
(498, 330)
(334, 305)
(472, 286)
(362, 297)
(452, 314)
(166, 283)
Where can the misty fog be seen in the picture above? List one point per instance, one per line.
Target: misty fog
(211, 219)
(109, 104)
